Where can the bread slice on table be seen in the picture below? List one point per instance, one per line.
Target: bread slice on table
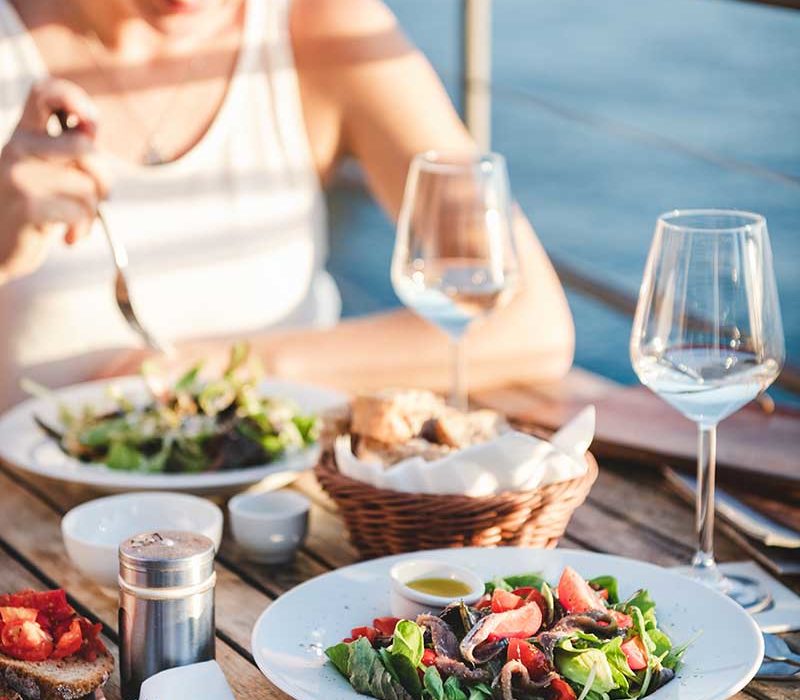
(64, 679)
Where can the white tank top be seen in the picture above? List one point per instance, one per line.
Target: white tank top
(229, 239)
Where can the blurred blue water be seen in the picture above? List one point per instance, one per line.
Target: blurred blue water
(609, 113)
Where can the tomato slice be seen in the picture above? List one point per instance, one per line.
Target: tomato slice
(560, 690)
(25, 640)
(503, 601)
(484, 602)
(92, 646)
(369, 632)
(70, 642)
(520, 623)
(576, 595)
(429, 657)
(385, 625)
(624, 621)
(536, 597)
(530, 657)
(53, 603)
(523, 592)
(9, 614)
(635, 653)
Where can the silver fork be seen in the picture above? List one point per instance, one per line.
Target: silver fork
(120, 256)
(121, 293)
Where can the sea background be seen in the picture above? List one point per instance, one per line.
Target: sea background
(608, 114)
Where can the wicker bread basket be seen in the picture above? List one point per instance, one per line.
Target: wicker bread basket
(382, 522)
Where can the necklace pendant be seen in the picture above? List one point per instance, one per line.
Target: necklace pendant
(152, 156)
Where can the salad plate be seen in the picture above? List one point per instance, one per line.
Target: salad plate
(24, 445)
(290, 638)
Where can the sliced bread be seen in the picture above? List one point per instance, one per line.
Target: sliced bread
(8, 693)
(393, 416)
(64, 679)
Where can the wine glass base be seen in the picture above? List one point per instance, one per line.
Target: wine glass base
(746, 591)
(749, 593)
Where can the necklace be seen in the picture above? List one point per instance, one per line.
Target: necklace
(151, 153)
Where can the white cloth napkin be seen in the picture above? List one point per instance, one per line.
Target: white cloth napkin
(204, 680)
(513, 461)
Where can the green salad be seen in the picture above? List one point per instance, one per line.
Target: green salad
(523, 640)
(192, 426)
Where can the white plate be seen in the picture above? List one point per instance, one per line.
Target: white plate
(24, 445)
(290, 636)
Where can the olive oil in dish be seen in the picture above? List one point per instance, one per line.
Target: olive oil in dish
(443, 587)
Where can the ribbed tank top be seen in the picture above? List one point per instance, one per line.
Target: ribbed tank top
(228, 239)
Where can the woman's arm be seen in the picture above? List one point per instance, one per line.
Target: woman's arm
(389, 105)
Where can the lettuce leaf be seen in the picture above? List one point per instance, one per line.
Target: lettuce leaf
(339, 654)
(452, 689)
(480, 692)
(408, 641)
(577, 666)
(610, 584)
(434, 688)
(369, 676)
(509, 583)
(663, 644)
(618, 662)
(646, 605)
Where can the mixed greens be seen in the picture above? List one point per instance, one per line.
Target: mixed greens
(522, 641)
(192, 426)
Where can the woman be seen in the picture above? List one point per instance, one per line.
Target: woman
(212, 123)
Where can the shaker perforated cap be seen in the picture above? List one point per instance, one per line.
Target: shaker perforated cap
(166, 559)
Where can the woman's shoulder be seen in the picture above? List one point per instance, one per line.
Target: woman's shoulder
(311, 18)
(329, 33)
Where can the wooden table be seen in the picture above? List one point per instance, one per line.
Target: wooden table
(630, 512)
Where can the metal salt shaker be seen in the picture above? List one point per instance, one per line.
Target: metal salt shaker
(166, 614)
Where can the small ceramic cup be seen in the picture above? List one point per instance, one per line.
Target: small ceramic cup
(407, 603)
(269, 526)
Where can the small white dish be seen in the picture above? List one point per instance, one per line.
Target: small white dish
(202, 680)
(93, 531)
(407, 603)
(269, 526)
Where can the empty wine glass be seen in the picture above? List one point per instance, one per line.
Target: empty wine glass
(707, 338)
(454, 257)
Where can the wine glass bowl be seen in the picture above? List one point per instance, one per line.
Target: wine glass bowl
(707, 335)
(455, 259)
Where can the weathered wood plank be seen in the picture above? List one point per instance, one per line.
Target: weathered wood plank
(643, 499)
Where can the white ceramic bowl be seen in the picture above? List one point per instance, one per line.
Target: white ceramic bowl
(269, 526)
(407, 603)
(93, 531)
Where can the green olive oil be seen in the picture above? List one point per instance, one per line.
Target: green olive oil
(443, 587)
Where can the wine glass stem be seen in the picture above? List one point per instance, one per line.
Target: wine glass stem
(704, 523)
(458, 395)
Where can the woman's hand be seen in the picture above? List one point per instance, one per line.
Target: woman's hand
(48, 183)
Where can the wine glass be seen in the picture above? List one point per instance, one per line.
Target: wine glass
(707, 338)
(454, 258)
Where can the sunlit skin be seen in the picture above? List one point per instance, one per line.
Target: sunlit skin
(366, 93)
